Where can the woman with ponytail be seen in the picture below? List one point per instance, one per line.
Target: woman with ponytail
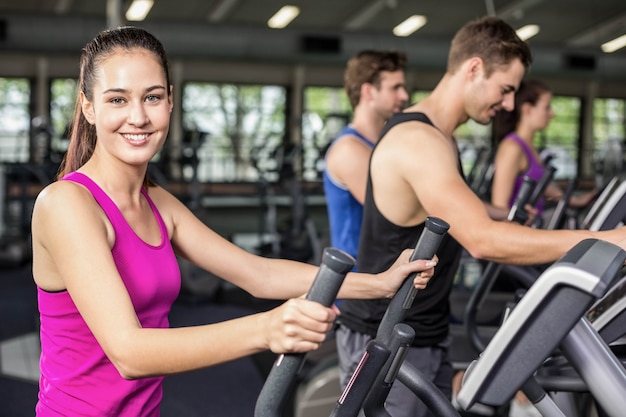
(517, 156)
(105, 242)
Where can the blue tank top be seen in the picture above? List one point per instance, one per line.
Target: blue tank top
(535, 170)
(344, 211)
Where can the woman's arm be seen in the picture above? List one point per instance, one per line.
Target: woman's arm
(583, 199)
(72, 242)
(508, 164)
(274, 278)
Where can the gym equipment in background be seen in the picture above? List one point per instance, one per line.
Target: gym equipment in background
(551, 314)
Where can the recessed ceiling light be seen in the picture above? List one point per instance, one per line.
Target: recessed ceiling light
(527, 32)
(283, 17)
(614, 45)
(138, 10)
(410, 25)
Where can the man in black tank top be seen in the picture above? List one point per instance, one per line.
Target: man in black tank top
(414, 173)
(429, 315)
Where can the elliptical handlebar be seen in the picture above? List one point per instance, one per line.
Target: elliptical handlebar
(278, 383)
(542, 184)
(561, 208)
(333, 269)
(517, 213)
(399, 336)
(428, 243)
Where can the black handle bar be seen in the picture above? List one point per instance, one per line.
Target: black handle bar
(542, 184)
(333, 269)
(560, 210)
(391, 331)
(517, 213)
(400, 341)
(426, 247)
(368, 369)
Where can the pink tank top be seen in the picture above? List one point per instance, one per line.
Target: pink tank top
(77, 378)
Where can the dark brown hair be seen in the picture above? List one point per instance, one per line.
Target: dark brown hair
(366, 66)
(490, 39)
(83, 138)
(506, 122)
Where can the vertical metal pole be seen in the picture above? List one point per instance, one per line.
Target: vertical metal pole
(114, 13)
(295, 117)
(586, 146)
(491, 9)
(2, 198)
(175, 137)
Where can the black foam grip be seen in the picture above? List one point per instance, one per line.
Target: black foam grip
(426, 248)
(335, 265)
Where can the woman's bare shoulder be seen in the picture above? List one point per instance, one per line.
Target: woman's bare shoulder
(61, 194)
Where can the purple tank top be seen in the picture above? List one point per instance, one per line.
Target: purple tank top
(535, 170)
(77, 378)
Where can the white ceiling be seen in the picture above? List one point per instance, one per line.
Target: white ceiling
(573, 29)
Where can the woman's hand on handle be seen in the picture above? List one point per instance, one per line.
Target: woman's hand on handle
(532, 214)
(402, 268)
(298, 326)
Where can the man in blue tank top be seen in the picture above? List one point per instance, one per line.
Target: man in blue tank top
(374, 83)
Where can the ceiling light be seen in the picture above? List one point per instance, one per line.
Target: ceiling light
(138, 10)
(219, 12)
(527, 32)
(614, 45)
(283, 17)
(410, 25)
(365, 15)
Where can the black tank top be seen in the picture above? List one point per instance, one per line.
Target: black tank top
(381, 243)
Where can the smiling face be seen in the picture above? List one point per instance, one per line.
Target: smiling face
(130, 107)
(486, 95)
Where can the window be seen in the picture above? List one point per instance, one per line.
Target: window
(326, 111)
(609, 120)
(609, 126)
(472, 138)
(62, 98)
(232, 132)
(561, 138)
(14, 119)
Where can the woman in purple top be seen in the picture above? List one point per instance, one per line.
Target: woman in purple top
(516, 155)
(105, 241)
